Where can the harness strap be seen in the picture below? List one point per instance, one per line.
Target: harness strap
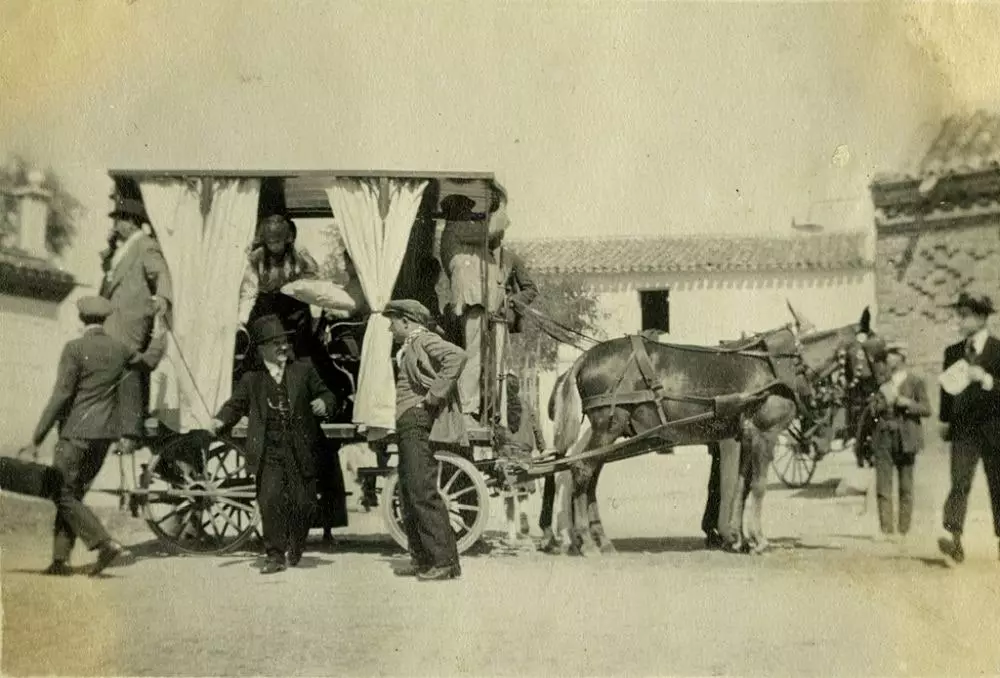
(648, 374)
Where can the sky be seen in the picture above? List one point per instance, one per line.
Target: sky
(599, 118)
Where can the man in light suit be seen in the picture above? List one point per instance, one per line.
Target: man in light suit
(971, 419)
(90, 408)
(137, 283)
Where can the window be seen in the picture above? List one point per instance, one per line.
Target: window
(655, 305)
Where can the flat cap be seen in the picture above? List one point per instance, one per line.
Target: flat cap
(408, 308)
(94, 307)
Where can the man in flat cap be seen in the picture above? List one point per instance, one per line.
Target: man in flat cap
(281, 402)
(897, 437)
(426, 411)
(971, 418)
(92, 412)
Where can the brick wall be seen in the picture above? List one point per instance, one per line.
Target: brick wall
(918, 274)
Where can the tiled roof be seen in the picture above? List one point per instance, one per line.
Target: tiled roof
(963, 144)
(24, 275)
(694, 254)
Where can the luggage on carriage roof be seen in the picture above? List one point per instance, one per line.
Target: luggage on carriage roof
(28, 477)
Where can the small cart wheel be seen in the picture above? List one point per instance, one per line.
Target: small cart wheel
(464, 491)
(795, 457)
(200, 495)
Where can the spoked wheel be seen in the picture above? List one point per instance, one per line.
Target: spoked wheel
(464, 491)
(795, 457)
(199, 496)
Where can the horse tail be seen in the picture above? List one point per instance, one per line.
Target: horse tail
(566, 408)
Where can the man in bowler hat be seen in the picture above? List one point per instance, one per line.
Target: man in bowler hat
(971, 419)
(91, 410)
(426, 404)
(280, 402)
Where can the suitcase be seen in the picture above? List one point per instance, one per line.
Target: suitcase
(28, 477)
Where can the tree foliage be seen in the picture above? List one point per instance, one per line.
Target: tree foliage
(566, 301)
(65, 210)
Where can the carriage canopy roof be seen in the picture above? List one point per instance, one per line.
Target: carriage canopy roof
(305, 194)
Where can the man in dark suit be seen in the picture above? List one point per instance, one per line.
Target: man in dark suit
(971, 419)
(280, 402)
(89, 407)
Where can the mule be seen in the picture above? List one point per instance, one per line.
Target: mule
(762, 379)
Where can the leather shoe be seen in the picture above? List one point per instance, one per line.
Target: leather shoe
(952, 548)
(58, 568)
(107, 554)
(440, 573)
(272, 566)
(411, 570)
(294, 557)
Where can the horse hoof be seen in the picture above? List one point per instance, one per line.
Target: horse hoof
(573, 550)
(549, 546)
(608, 549)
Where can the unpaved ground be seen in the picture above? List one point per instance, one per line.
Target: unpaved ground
(826, 601)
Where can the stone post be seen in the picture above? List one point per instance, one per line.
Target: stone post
(34, 203)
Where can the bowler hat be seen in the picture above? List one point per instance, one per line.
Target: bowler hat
(980, 304)
(129, 208)
(94, 307)
(408, 308)
(267, 328)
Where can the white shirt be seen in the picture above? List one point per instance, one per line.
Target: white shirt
(276, 370)
(979, 344)
(122, 249)
(979, 340)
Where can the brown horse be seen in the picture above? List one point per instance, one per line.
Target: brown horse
(748, 391)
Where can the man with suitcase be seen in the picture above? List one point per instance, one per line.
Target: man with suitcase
(90, 409)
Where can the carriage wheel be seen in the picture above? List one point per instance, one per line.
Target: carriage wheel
(464, 491)
(795, 457)
(201, 496)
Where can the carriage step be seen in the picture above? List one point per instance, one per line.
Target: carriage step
(374, 471)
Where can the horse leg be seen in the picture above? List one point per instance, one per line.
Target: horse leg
(583, 540)
(596, 526)
(760, 457)
(549, 540)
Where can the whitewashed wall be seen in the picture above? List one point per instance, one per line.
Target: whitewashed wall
(32, 334)
(705, 309)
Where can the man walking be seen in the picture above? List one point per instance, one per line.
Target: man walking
(280, 402)
(971, 419)
(426, 410)
(897, 438)
(90, 408)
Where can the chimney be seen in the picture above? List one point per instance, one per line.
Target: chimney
(33, 215)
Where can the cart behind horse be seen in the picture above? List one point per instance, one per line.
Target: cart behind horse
(195, 490)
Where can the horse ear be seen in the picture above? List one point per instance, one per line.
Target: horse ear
(866, 321)
(795, 316)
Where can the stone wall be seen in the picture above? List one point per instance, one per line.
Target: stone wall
(918, 273)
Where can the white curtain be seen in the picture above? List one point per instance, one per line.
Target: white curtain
(377, 248)
(206, 254)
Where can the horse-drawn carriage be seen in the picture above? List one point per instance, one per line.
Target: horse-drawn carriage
(195, 490)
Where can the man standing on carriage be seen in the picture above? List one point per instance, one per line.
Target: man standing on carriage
(137, 282)
(510, 288)
(280, 402)
(426, 411)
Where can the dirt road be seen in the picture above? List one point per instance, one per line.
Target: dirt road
(826, 601)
